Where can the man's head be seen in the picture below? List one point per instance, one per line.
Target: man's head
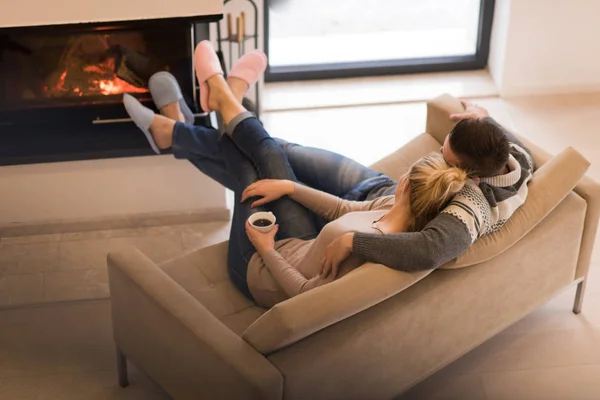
(479, 146)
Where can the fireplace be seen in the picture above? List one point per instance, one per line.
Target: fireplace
(61, 87)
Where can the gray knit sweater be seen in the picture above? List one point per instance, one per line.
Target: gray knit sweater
(480, 208)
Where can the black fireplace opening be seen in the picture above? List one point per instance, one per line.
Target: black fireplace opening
(61, 88)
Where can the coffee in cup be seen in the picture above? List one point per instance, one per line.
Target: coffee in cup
(262, 221)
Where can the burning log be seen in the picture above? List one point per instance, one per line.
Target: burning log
(89, 66)
(131, 66)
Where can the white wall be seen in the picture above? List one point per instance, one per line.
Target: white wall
(545, 46)
(45, 12)
(97, 189)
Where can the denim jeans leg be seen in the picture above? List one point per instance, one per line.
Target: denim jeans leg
(294, 220)
(201, 146)
(325, 170)
(290, 216)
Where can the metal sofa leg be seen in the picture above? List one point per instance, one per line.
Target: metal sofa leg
(122, 368)
(579, 297)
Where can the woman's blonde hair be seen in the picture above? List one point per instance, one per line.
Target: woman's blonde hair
(432, 184)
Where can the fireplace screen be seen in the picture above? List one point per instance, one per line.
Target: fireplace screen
(94, 67)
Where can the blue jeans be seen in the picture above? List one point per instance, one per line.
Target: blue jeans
(320, 169)
(249, 155)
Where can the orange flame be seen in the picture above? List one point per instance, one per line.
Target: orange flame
(111, 85)
(118, 86)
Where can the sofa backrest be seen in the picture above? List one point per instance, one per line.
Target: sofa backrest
(303, 315)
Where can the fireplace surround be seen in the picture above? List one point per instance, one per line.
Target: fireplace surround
(61, 86)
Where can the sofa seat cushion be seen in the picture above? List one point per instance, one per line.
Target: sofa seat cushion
(203, 273)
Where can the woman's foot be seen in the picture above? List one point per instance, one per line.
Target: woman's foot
(158, 129)
(207, 66)
(246, 71)
(220, 98)
(168, 98)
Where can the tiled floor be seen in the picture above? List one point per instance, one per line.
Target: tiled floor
(65, 350)
(72, 266)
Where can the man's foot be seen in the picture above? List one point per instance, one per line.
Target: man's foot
(162, 131)
(168, 98)
(173, 111)
(157, 129)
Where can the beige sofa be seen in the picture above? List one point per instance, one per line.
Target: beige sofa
(370, 335)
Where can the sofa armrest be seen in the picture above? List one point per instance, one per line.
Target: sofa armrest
(288, 322)
(170, 336)
(439, 110)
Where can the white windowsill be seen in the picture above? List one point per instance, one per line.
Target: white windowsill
(375, 90)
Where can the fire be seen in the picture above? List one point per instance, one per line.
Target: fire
(118, 86)
(98, 79)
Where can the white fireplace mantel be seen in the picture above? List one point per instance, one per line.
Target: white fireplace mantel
(23, 13)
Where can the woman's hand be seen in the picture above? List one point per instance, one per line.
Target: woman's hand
(269, 189)
(263, 242)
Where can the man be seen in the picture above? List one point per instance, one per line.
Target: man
(498, 163)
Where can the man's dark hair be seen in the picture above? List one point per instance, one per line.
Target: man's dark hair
(481, 146)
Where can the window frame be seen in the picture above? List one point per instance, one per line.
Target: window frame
(476, 61)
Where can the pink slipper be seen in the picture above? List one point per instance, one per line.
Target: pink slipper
(250, 67)
(207, 65)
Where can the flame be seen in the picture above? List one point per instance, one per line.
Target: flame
(118, 86)
(61, 81)
(111, 85)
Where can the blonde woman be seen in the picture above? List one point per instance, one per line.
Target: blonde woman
(285, 268)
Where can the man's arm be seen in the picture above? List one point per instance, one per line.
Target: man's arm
(442, 240)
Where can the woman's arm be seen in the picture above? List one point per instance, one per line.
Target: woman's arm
(289, 278)
(329, 206)
(286, 276)
(324, 204)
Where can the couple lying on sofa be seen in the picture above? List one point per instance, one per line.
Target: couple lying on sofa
(430, 216)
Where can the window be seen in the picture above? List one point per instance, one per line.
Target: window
(315, 39)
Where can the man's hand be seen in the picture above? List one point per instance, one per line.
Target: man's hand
(472, 111)
(269, 189)
(263, 242)
(335, 254)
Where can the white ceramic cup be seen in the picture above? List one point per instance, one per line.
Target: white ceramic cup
(262, 215)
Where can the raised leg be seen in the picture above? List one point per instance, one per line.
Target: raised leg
(579, 296)
(325, 170)
(122, 368)
(293, 219)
